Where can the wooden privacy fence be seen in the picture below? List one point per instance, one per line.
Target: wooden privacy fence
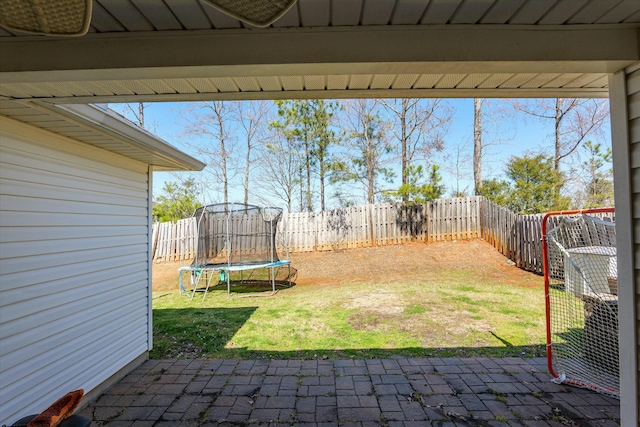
(368, 225)
(517, 237)
(174, 241)
(383, 224)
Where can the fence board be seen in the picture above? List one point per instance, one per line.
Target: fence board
(517, 237)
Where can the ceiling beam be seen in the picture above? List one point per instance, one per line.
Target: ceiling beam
(302, 51)
(342, 94)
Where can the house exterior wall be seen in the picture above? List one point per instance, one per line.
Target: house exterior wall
(624, 89)
(74, 279)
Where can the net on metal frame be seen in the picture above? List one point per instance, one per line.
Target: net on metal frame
(583, 297)
(237, 234)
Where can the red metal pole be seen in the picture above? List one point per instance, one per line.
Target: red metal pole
(545, 271)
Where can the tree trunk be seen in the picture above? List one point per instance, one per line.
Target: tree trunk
(141, 114)
(404, 142)
(223, 161)
(308, 165)
(371, 174)
(321, 160)
(558, 121)
(301, 178)
(477, 145)
(246, 172)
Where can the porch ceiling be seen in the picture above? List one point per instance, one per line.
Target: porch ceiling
(155, 50)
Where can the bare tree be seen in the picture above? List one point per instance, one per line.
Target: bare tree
(420, 126)
(279, 166)
(213, 120)
(136, 113)
(574, 120)
(252, 118)
(457, 165)
(477, 145)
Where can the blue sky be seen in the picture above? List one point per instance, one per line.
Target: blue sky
(515, 134)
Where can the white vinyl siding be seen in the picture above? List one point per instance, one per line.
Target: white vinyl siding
(633, 111)
(74, 279)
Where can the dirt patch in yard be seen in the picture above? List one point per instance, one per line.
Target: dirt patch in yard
(387, 264)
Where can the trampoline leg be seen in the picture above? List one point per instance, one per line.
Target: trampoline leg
(208, 284)
(195, 286)
(273, 281)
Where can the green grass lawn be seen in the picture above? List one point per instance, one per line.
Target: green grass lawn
(449, 313)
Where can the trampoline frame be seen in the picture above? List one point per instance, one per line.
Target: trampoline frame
(207, 273)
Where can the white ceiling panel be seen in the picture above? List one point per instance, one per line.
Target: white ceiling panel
(337, 82)
(360, 81)
(346, 12)
(408, 12)
(158, 85)
(158, 14)
(495, 80)
(290, 19)
(599, 83)
(180, 86)
(562, 11)
(427, 81)
(562, 80)
(382, 81)
(95, 88)
(178, 15)
(592, 11)
(449, 81)
(583, 80)
(114, 87)
(203, 85)
(540, 80)
(440, 11)
(314, 82)
(190, 13)
(53, 88)
(405, 81)
(377, 12)
(517, 80)
(127, 14)
(247, 84)
(314, 13)
(23, 90)
(625, 11)
(470, 11)
(471, 81)
(292, 82)
(531, 12)
(140, 87)
(270, 84)
(103, 21)
(221, 20)
(74, 89)
(501, 11)
(225, 84)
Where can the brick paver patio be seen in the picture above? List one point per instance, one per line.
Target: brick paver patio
(440, 392)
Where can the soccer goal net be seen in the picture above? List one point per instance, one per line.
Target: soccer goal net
(581, 284)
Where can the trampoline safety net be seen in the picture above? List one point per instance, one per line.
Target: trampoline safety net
(582, 296)
(237, 234)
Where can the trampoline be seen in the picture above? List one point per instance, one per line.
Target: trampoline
(236, 244)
